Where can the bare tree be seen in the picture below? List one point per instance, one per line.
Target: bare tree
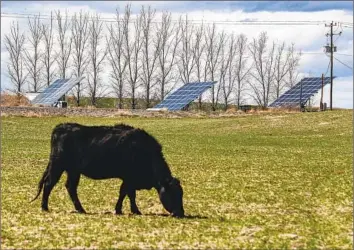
(293, 75)
(281, 68)
(116, 58)
(48, 57)
(263, 73)
(132, 51)
(186, 59)
(150, 51)
(214, 43)
(96, 54)
(168, 36)
(33, 59)
(230, 76)
(80, 34)
(14, 43)
(65, 42)
(222, 70)
(240, 68)
(198, 54)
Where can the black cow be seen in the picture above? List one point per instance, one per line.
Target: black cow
(102, 152)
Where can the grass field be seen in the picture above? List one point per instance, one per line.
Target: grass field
(255, 181)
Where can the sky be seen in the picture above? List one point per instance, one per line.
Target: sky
(309, 39)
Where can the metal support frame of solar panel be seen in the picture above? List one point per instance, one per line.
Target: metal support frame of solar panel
(55, 91)
(184, 95)
(310, 86)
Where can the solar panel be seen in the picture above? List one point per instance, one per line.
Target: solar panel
(184, 95)
(55, 91)
(304, 89)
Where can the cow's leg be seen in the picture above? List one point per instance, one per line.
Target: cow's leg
(52, 179)
(71, 185)
(122, 194)
(133, 207)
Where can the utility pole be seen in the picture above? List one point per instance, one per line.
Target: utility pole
(331, 49)
(321, 103)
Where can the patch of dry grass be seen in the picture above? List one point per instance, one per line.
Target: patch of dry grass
(14, 100)
(250, 181)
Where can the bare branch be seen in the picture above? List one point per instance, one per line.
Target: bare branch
(281, 69)
(150, 51)
(116, 58)
(80, 34)
(168, 38)
(228, 78)
(14, 43)
(293, 75)
(132, 51)
(96, 54)
(186, 59)
(65, 42)
(33, 60)
(48, 57)
(214, 43)
(263, 72)
(199, 54)
(241, 69)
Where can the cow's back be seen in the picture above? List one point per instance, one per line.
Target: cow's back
(102, 152)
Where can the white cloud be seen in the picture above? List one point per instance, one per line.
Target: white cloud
(342, 93)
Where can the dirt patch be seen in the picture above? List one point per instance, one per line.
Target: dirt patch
(14, 100)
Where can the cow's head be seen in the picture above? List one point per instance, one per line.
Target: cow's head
(171, 196)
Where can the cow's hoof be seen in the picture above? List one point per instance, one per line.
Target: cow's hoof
(119, 213)
(137, 212)
(45, 209)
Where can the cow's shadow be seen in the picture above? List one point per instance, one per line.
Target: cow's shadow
(185, 217)
(149, 214)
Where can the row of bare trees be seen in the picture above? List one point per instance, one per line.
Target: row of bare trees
(144, 56)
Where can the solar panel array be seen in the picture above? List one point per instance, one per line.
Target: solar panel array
(184, 95)
(310, 86)
(55, 91)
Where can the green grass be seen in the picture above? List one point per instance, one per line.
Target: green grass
(256, 181)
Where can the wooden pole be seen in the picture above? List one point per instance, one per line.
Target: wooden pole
(321, 103)
(331, 100)
(301, 96)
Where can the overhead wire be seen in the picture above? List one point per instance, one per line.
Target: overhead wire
(227, 22)
(339, 61)
(343, 54)
(343, 63)
(329, 63)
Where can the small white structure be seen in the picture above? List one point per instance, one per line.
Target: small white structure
(31, 95)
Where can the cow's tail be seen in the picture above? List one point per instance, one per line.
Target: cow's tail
(41, 183)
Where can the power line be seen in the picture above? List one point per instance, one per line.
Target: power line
(329, 63)
(226, 22)
(321, 53)
(312, 53)
(339, 61)
(251, 21)
(108, 19)
(343, 63)
(343, 54)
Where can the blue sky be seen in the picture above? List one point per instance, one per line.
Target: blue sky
(309, 39)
